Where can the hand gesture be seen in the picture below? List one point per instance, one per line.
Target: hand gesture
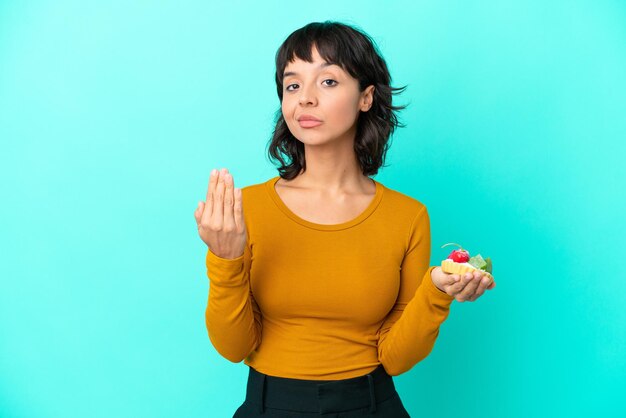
(220, 221)
(468, 286)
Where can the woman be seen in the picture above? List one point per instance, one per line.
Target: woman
(322, 285)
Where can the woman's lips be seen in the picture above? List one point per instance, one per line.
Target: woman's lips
(309, 123)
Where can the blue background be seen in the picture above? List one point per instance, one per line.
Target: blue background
(113, 114)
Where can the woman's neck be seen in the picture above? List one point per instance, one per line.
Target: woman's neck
(333, 170)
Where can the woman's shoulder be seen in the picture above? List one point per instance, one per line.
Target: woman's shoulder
(257, 189)
(258, 184)
(402, 199)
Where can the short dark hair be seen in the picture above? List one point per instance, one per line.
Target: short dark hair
(354, 51)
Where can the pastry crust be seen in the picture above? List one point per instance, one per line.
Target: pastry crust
(450, 267)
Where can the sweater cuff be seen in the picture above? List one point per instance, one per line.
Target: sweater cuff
(224, 270)
(438, 297)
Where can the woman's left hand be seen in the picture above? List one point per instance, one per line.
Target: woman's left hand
(464, 287)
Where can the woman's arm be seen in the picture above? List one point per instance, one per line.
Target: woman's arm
(233, 318)
(409, 332)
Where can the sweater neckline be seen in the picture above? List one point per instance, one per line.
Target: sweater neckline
(270, 187)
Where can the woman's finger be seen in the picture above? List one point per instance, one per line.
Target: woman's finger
(238, 211)
(482, 279)
(198, 213)
(452, 279)
(482, 285)
(217, 215)
(210, 196)
(470, 287)
(229, 201)
(455, 284)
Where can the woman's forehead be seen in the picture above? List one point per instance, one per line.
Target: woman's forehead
(315, 56)
(313, 53)
(298, 64)
(318, 63)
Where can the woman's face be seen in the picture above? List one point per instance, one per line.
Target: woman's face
(327, 93)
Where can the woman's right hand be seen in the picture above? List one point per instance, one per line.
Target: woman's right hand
(468, 286)
(220, 221)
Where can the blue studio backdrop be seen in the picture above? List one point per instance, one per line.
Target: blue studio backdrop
(112, 115)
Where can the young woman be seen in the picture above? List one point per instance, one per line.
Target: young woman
(322, 285)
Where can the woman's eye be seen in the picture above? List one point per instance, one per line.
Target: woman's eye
(328, 79)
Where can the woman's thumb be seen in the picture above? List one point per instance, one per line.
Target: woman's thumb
(198, 212)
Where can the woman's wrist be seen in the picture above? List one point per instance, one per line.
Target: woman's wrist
(435, 276)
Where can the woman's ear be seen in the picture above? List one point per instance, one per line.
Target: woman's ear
(367, 98)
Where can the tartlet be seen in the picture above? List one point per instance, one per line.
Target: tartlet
(460, 262)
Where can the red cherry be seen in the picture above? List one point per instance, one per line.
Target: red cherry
(458, 256)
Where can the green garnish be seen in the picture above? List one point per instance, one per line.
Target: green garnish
(478, 262)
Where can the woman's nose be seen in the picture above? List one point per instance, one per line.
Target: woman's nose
(307, 95)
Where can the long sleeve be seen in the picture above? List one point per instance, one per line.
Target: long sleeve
(233, 318)
(327, 301)
(409, 332)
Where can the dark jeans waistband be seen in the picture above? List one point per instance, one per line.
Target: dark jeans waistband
(321, 396)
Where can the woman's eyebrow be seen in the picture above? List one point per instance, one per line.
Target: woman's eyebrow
(322, 65)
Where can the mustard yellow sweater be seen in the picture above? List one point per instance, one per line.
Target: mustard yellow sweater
(325, 302)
